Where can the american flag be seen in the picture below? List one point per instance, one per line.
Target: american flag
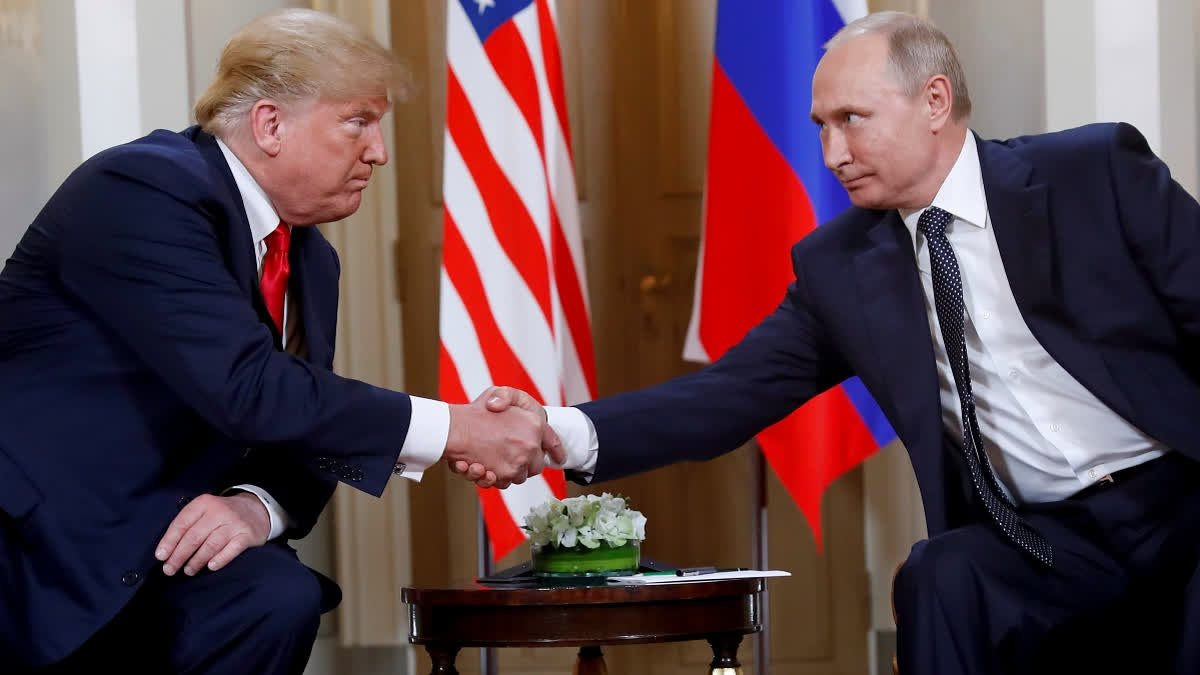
(514, 307)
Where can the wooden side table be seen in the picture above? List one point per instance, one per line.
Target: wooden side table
(445, 620)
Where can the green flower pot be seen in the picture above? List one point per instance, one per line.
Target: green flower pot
(581, 561)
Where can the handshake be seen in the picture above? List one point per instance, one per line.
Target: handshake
(501, 438)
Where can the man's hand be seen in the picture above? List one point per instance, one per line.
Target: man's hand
(212, 531)
(499, 400)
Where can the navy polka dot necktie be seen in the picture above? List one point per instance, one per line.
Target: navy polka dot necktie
(948, 300)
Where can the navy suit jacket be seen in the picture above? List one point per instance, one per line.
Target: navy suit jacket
(139, 368)
(1102, 251)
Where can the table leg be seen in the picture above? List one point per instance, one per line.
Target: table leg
(590, 662)
(443, 658)
(725, 660)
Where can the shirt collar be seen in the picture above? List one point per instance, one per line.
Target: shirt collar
(260, 213)
(961, 194)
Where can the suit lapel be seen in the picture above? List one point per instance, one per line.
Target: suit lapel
(239, 245)
(894, 314)
(1020, 213)
(307, 271)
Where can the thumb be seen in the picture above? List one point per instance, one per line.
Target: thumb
(498, 399)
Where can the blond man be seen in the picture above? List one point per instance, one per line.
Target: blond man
(168, 413)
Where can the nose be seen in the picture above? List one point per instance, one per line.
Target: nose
(835, 149)
(375, 152)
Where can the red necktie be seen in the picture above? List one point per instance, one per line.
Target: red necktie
(275, 272)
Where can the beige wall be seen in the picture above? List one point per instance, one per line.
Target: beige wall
(39, 109)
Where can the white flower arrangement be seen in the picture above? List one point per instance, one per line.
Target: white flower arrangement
(588, 520)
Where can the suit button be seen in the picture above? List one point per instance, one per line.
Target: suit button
(400, 468)
(183, 501)
(130, 578)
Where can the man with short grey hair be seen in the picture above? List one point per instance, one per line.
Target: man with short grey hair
(169, 417)
(1027, 315)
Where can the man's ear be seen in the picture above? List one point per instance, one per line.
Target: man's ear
(265, 126)
(940, 100)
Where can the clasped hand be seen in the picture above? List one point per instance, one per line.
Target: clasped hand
(501, 438)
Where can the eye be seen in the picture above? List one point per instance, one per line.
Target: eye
(851, 118)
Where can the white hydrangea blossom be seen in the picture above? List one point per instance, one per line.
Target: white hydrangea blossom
(589, 520)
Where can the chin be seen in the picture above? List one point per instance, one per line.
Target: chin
(346, 208)
(865, 198)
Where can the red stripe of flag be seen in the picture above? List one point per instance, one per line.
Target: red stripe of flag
(460, 266)
(502, 527)
(510, 219)
(554, 76)
(506, 51)
(509, 55)
(450, 387)
(574, 308)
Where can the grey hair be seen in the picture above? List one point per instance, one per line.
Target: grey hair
(917, 50)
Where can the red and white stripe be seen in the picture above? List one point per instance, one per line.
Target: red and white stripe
(514, 307)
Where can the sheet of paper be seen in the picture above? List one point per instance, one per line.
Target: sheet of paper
(672, 578)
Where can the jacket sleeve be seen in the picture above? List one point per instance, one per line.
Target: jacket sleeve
(780, 364)
(301, 492)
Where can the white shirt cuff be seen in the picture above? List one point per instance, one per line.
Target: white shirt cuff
(578, 436)
(426, 440)
(279, 517)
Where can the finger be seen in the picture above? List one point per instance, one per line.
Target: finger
(488, 480)
(457, 466)
(553, 446)
(213, 543)
(179, 542)
(524, 401)
(475, 472)
(233, 549)
(170, 539)
(498, 399)
(536, 463)
(188, 544)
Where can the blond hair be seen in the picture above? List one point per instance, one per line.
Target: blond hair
(917, 50)
(294, 55)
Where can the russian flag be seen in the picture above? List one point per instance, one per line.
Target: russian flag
(766, 187)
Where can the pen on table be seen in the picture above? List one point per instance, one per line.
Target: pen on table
(694, 571)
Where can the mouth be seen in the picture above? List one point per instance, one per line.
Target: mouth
(851, 183)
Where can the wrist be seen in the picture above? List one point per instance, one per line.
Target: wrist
(458, 436)
(258, 514)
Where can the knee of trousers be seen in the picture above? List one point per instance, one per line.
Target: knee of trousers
(288, 602)
(935, 570)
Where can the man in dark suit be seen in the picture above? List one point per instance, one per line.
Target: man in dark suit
(1027, 315)
(166, 393)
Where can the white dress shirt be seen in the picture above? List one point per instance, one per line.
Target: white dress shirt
(422, 447)
(1046, 435)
